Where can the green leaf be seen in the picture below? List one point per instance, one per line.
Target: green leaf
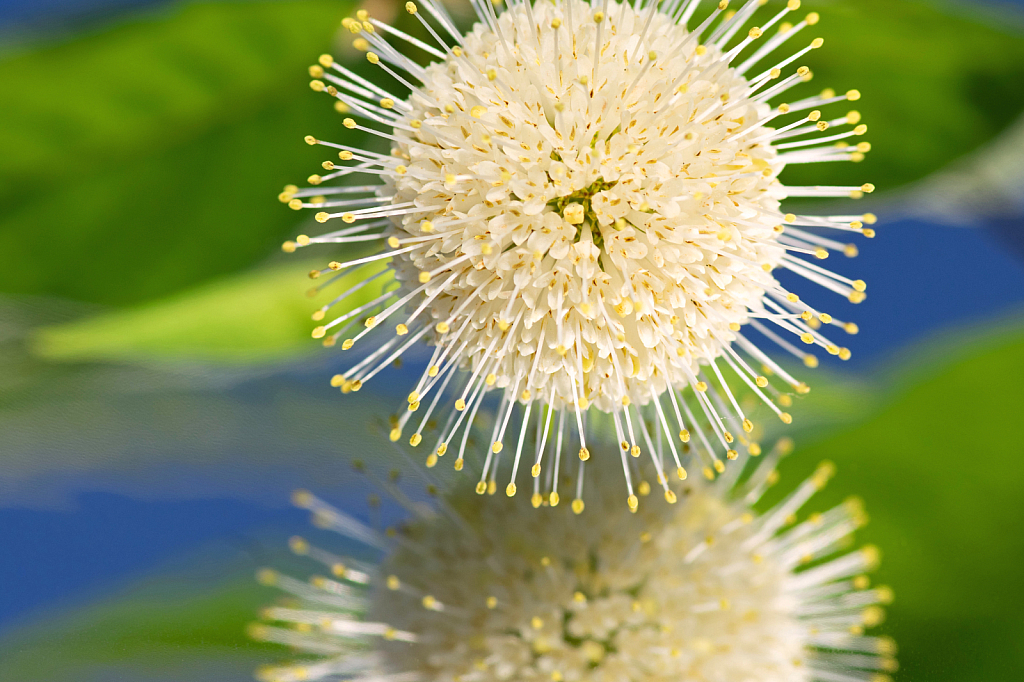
(147, 157)
(941, 470)
(936, 84)
(167, 627)
(253, 317)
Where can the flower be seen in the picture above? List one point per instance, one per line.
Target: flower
(582, 209)
(704, 589)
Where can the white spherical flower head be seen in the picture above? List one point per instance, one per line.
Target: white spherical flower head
(706, 589)
(581, 208)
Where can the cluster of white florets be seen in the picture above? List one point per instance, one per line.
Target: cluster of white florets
(617, 208)
(704, 589)
(582, 208)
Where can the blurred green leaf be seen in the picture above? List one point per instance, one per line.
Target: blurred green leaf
(256, 316)
(941, 471)
(936, 84)
(147, 157)
(164, 628)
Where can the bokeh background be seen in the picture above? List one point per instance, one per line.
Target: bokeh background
(160, 396)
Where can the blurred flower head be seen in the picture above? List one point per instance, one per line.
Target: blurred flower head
(582, 208)
(707, 588)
